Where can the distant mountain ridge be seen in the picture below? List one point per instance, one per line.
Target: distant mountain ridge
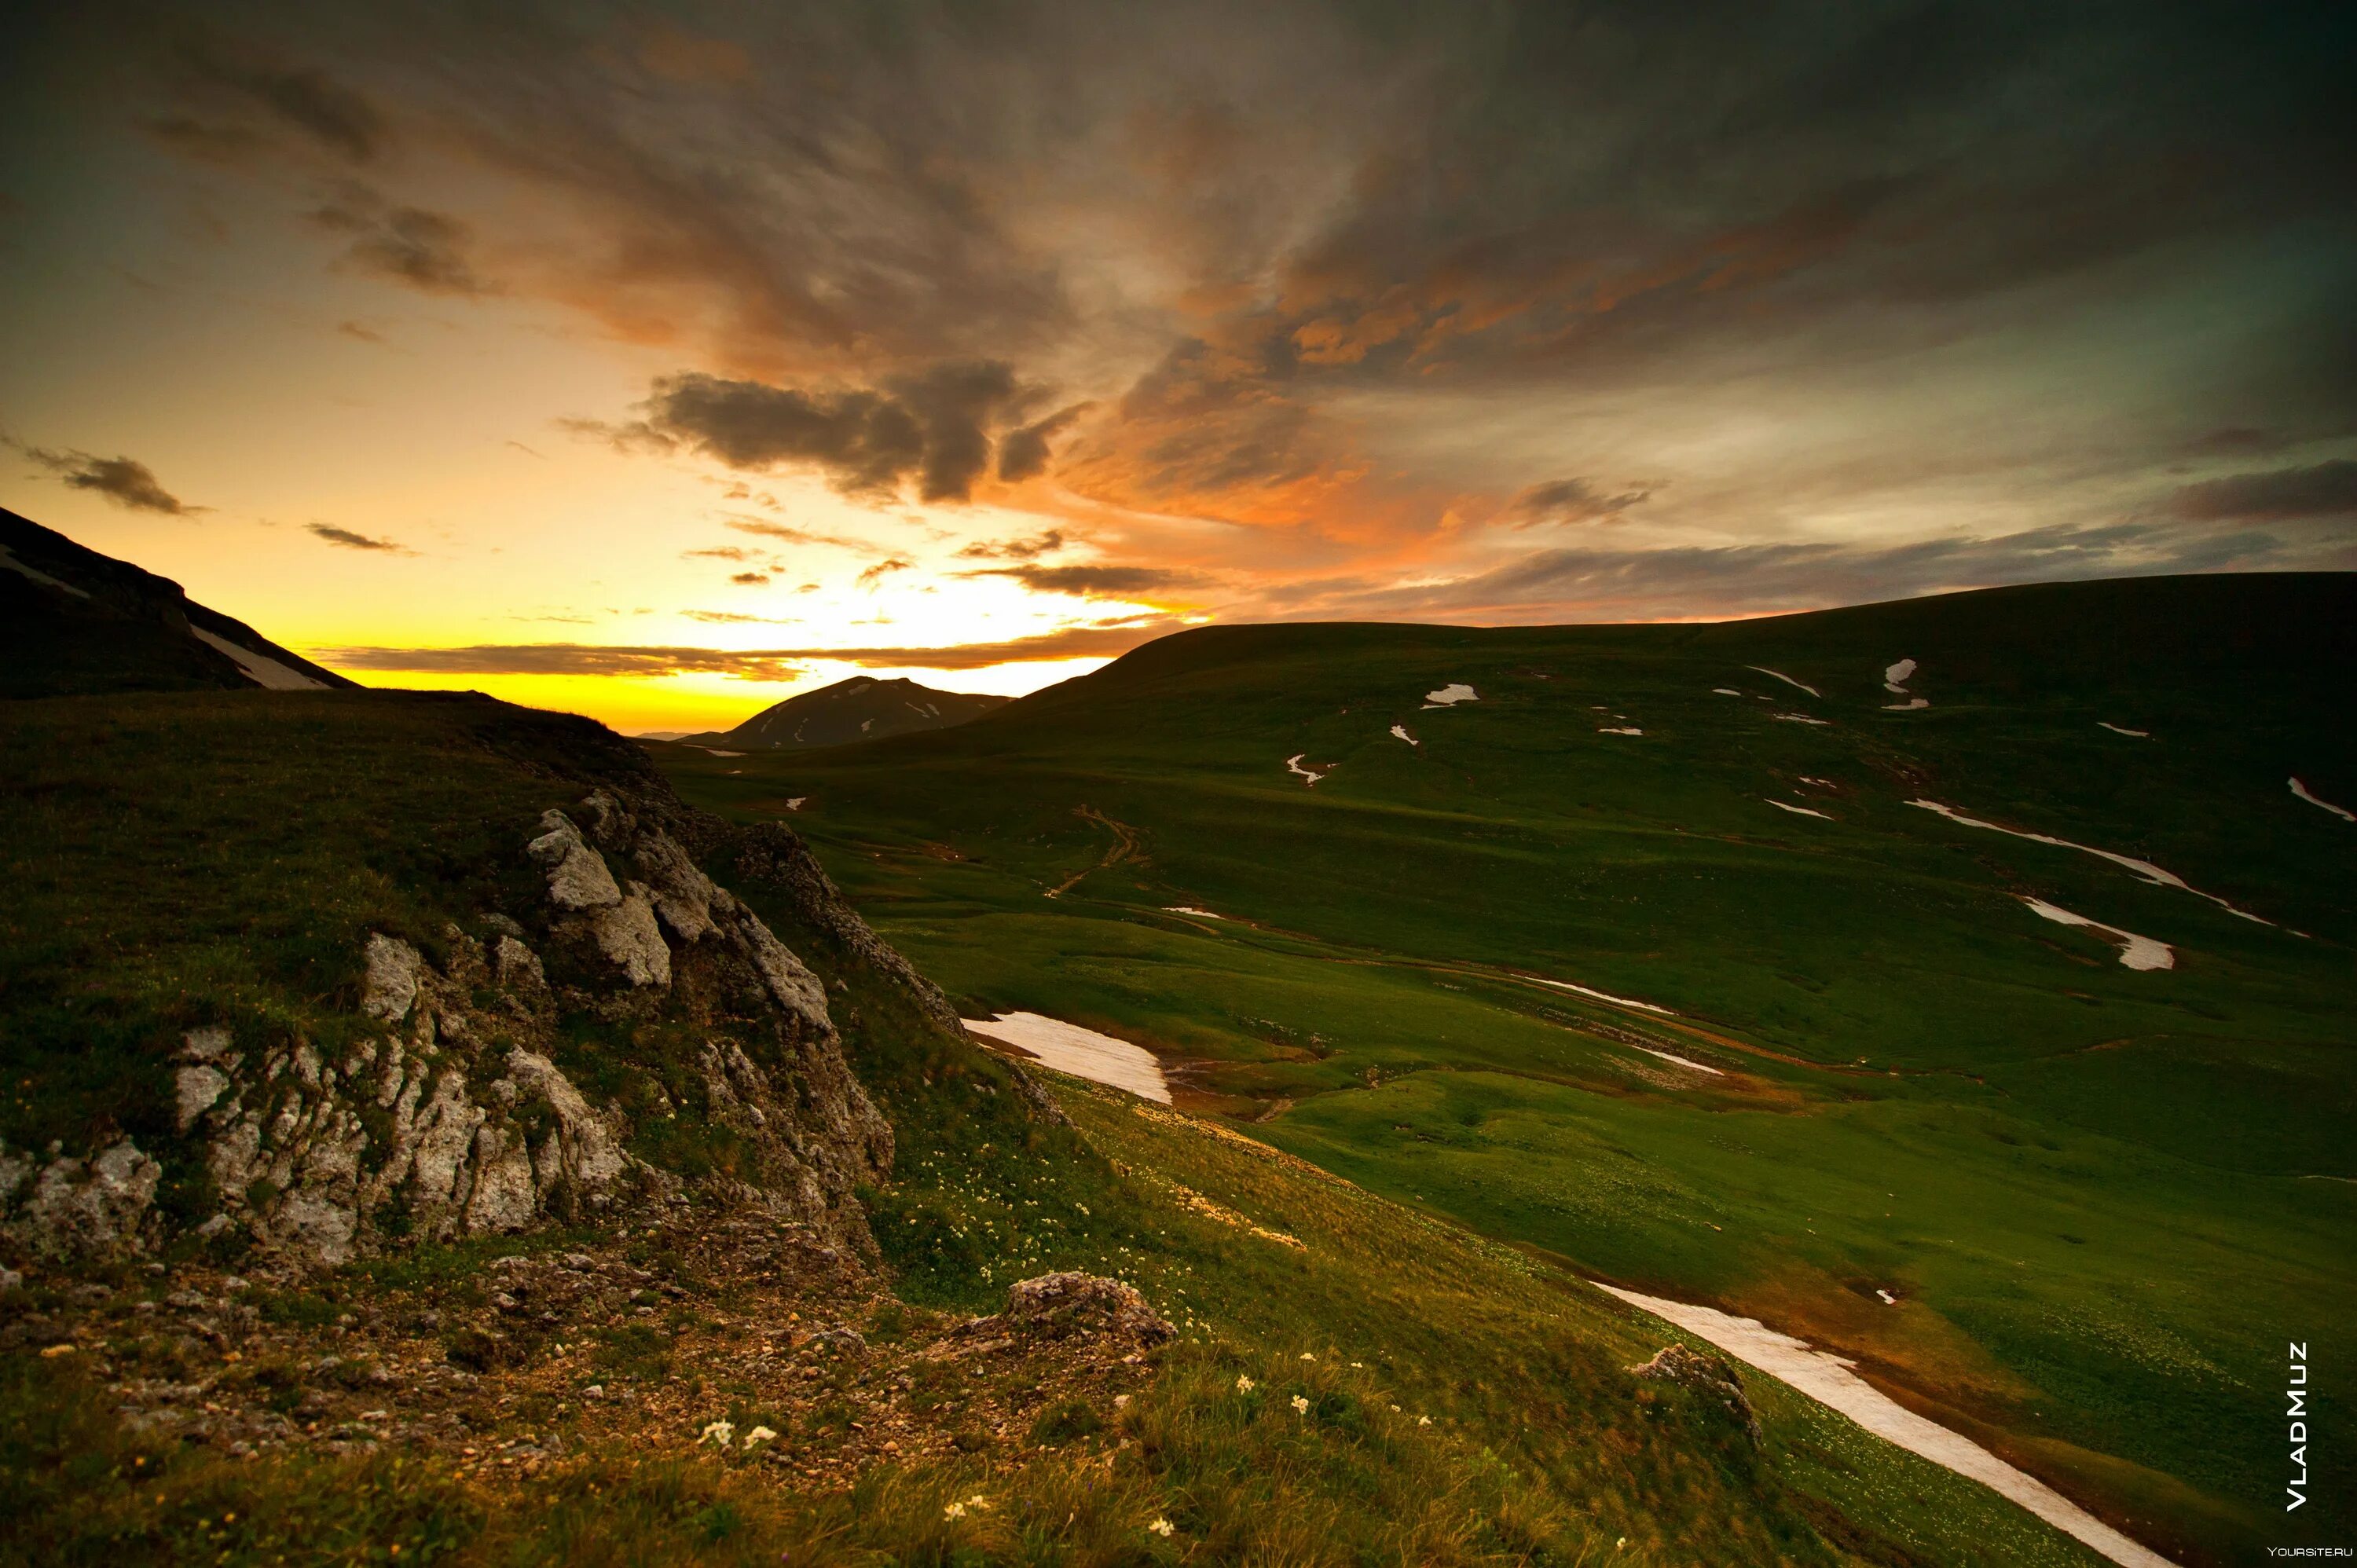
(859, 708)
(72, 620)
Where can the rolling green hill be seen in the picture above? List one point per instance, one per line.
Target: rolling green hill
(277, 967)
(2098, 1198)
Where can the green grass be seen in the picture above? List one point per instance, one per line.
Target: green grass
(2106, 1195)
(177, 859)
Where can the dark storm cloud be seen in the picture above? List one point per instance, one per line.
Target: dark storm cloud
(2322, 489)
(303, 97)
(1096, 582)
(1569, 501)
(125, 481)
(882, 569)
(407, 245)
(347, 539)
(1046, 543)
(1023, 452)
(933, 426)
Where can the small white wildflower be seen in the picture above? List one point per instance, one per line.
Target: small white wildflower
(1423, 1421)
(719, 1433)
(1307, 1357)
(1161, 1527)
(758, 1435)
(1358, 1363)
(1300, 1405)
(977, 1501)
(956, 1511)
(1243, 1384)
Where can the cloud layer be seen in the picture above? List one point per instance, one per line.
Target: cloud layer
(1490, 310)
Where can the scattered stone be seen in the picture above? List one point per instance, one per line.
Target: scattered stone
(1059, 1305)
(1711, 1377)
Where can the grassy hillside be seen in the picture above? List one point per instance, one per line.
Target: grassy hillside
(2098, 1194)
(1349, 1381)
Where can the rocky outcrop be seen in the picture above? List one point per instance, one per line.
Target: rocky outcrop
(1711, 1378)
(778, 858)
(71, 1209)
(1061, 1305)
(444, 1110)
(775, 857)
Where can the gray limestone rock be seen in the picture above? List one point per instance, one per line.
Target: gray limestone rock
(628, 936)
(516, 966)
(577, 877)
(195, 1090)
(681, 893)
(92, 1209)
(390, 984)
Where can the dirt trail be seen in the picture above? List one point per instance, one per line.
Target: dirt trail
(1126, 840)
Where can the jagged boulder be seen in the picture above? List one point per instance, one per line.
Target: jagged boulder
(75, 1209)
(1711, 1377)
(1068, 1303)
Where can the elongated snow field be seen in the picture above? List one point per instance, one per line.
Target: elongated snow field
(260, 668)
(2300, 789)
(2143, 868)
(2135, 952)
(1828, 1380)
(1083, 1052)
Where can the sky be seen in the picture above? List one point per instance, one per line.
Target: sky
(656, 362)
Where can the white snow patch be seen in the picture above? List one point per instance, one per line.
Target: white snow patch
(1083, 1052)
(2300, 789)
(1797, 810)
(2122, 729)
(1798, 719)
(1887, 1299)
(1600, 996)
(8, 559)
(2135, 952)
(866, 725)
(1293, 763)
(1448, 696)
(1630, 730)
(1726, 692)
(710, 752)
(1894, 679)
(1804, 685)
(1401, 731)
(2143, 868)
(1829, 1380)
(1191, 909)
(260, 669)
(793, 805)
(1681, 1062)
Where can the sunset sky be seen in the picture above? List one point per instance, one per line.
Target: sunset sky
(657, 362)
